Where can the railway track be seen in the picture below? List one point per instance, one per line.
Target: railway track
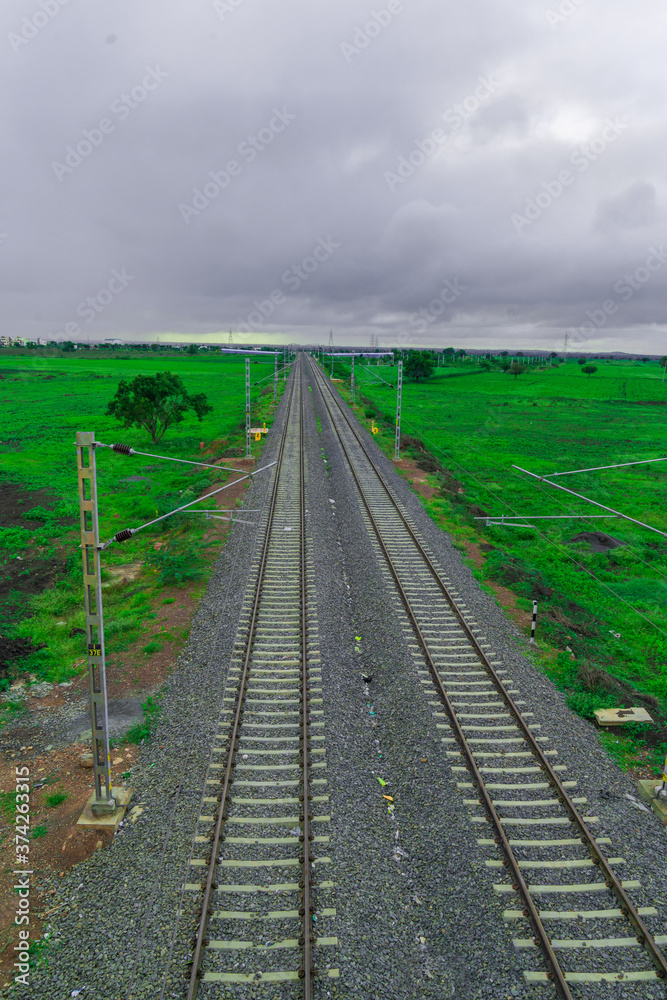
(266, 902)
(558, 880)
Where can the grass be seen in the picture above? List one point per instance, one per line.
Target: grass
(39, 831)
(8, 805)
(55, 799)
(151, 647)
(143, 730)
(10, 711)
(466, 428)
(51, 396)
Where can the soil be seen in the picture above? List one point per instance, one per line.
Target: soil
(598, 541)
(15, 500)
(13, 649)
(416, 477)
(50, 735)
(30, 573)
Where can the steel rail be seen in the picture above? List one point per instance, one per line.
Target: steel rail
(644, 936)
(306, 972)
(198, 954)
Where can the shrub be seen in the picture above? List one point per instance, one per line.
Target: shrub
(585, 703)
(178, 563)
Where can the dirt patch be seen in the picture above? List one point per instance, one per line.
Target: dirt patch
(417, 477)
(15, 500)
(29, 574)
(507, 599)
(597, 541)
(11, 650)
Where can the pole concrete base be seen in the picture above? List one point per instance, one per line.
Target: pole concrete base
(107, 820)
(646, 789)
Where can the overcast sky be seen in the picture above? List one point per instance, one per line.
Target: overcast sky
(481, 174)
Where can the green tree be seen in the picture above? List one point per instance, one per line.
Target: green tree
(193, 349)
(155, 402)
(663, 361)
(419, 365)
(589, 370)
(516, 369)
(67, 345)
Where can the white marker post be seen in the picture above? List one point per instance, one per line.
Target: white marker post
(532, 624)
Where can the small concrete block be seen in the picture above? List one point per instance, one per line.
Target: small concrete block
(646, 789)
(110, 822)
(619, 716)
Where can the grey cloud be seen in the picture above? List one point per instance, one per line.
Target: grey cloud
(634, 208)
(323, 175)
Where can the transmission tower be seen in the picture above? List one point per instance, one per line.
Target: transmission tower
(331, 343)
(230, 339)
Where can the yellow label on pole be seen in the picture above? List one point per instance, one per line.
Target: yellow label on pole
(258, 436)
(375, 430)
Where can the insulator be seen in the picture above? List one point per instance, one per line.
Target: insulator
(122, 449)
(122, 536)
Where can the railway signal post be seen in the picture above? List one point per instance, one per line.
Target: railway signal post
(399, 393)
(275, 378)
(352, 383)
(104, 802)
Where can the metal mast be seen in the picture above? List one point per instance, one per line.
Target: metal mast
(399, 393)
(92, 591)
(248, 446)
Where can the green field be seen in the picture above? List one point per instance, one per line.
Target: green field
(476, 425)
(45, 400)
